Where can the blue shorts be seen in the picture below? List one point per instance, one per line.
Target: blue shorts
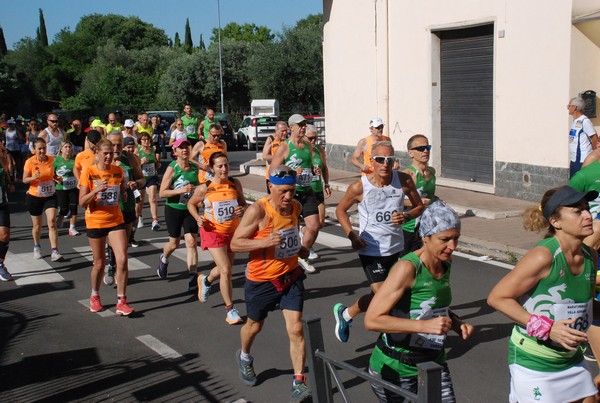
(263, 297)
(151, 181)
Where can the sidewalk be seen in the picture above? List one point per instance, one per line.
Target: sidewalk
(491, 225)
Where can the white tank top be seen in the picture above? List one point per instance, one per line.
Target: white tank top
(12, 140)
(375, 211)
(53, 145)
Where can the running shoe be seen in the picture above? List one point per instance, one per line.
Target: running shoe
(162, 267)
(155, 226)
(140, 223)
(73, 232)
(307, 267)
(342, 326)
(95, 304)
(37, 253)
(247, 374)
(300, 391)
(588, 354)
(123, 307)
(4, 274)
(133, 243)
(193, 283)
(109, 277)
(313, 255)
(56, 257)
(233, 317)
(203, 288)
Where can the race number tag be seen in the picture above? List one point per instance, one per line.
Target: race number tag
(69, 182)
(149, 169)
(382, 217)
(289, 245)
(190, 129)
(184, 198)
(305, 178)
(224, 210)
(425, 340)
(46, 189)
(578, 311)
(109, 197)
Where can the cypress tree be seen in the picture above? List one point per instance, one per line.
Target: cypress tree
(188, 45)
(3, 48)
(177, 43)
(202, 45)
(42, 35)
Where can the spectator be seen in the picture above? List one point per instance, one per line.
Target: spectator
(582, 137)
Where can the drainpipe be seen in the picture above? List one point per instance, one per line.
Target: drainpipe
(382, 61)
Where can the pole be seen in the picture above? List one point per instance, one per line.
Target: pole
(220, 57)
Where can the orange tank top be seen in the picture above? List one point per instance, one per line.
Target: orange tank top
(367, 153)
(269, 263)
(274, 146)
(219, 207)
(45, 185)
(84, 159)
(105, 211)
(208, 150)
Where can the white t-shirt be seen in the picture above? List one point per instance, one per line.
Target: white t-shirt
(178, 135)
(579, 135)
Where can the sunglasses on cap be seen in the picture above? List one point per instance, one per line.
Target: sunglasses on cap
(384, 160)
(283, 174)
(422, 148)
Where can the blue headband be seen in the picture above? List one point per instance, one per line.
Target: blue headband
(286, 180)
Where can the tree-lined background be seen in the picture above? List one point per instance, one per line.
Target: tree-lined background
(116, 62)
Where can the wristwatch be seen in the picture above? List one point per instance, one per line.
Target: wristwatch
(407, 215)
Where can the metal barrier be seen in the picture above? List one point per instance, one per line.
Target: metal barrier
(322, 367)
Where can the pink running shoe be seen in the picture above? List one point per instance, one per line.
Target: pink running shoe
(95, 305)
(123, 307)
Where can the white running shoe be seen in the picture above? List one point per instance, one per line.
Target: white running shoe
(37, 253)
(313, 255)
(155, 225)
(307, 267)
(56, 257)
(73, 232)
(140, 223)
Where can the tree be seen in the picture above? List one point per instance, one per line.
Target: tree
(42, 35)
(177, 42)
(245, 33)
(201, 44)
(188, 45)
(3, 48)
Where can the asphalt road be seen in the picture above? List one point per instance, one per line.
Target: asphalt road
(173, 348)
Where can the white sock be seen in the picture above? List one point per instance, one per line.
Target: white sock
(94, 293)
(164, 259)
(245, 357)
(346, 315)
(72, 226)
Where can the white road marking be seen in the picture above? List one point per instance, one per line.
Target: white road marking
(134, 264)
(477, 258)
(105, 313)
(181, 252)
(27, 270)
(159, 347)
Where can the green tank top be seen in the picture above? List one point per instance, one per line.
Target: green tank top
(317, 182)
(190, 127)
(429, 297)
(3, 188)
(301, 157)
(64, 168)
(129, 205)
(206, 127)
(561, 295)
(182, 178)
(426, 189)
(149, 168)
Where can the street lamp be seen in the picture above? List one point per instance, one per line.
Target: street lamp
(220, 56)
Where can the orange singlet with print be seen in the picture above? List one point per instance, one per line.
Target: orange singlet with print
(219, 207)
(84, 159)
(209, 149)
(367, 153)
(104, 211)
(274, 146)
(45, 185)
(269, 263)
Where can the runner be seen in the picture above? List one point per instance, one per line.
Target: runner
(177, 186)
(6, 186)
(129, 147)
(269, 232)
(190, 125)
(379, 243)
(86, 157)
(39, 174)
(224, 203)
(412, 309)
(101, 185)
(549, 296)
(204, 149)
(67, 194)
(150, 161)
(281, 130)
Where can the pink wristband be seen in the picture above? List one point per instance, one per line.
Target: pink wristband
(539, 326)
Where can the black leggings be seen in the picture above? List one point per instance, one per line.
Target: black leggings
(67, 201)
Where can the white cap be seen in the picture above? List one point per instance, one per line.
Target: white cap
(376, 122)
(129, 123)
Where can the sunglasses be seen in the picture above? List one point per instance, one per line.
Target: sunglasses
(422, 148)
(378, 127)
(311, 138)
(52, 121)
(283, 174)
(384, 160)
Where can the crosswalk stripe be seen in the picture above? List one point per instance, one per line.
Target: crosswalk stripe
(159, 347)
(105, 313)
(31, 271)
(86, 252)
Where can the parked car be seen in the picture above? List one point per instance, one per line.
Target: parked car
(255, 130)
(229, 137)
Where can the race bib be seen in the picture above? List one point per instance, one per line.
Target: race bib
(430, 341)
(69, 182)
(289, 245)
(46, 189)
(581, 312)
(109, 197)
(305, 178)
(224, 210)
(149, 169)
(184, 198)
(382, 217)
(190, 130)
